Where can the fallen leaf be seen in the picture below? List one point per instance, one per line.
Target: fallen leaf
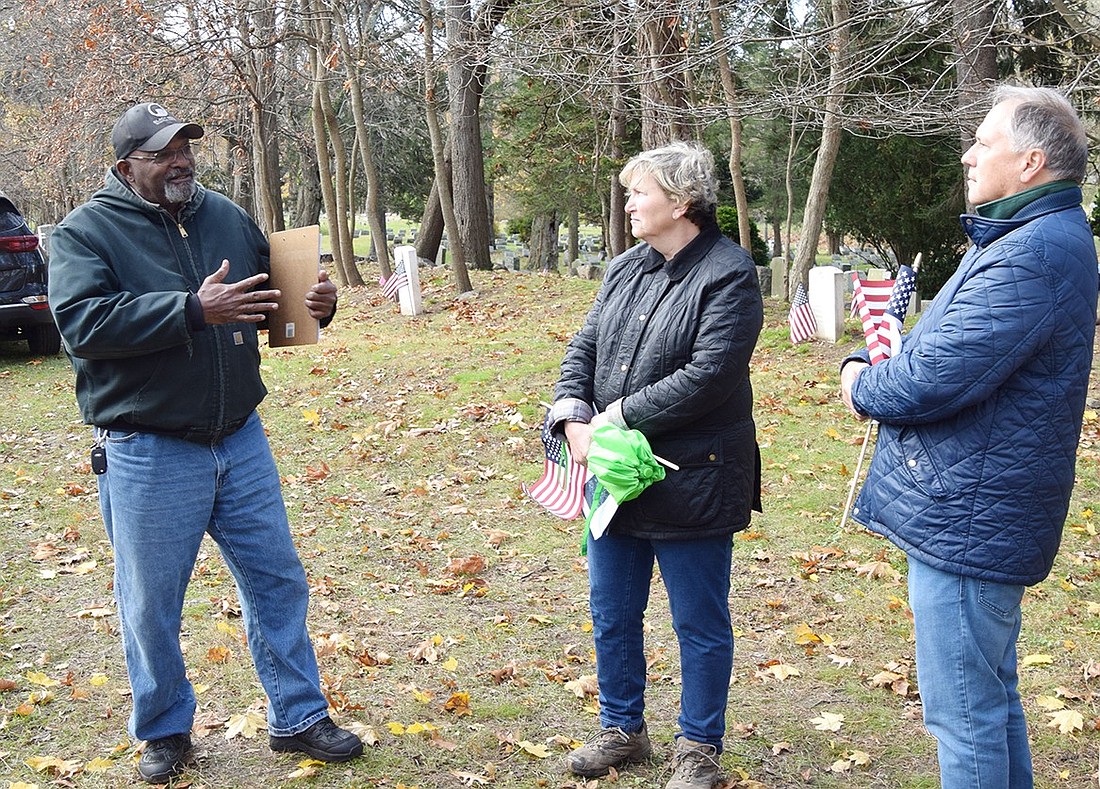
(40, 679)
(1066, 721)
(538, 751)
(1037, 660)
(459, 704)
(246, 725)
(98, 765)
(1050, 703)
(585, 685)
(218, 654)
(828, 721)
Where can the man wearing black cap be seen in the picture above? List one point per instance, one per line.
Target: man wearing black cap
(155, 284)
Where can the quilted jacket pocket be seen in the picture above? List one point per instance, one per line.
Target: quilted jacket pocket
(927, 470)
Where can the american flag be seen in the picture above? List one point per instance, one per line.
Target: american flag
(889, 330)
(875, 293)
(869, 316)
(801, 318)
(397, 280)
(560, 489)
(882, 305)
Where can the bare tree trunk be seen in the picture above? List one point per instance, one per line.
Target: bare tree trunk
(826, 153)
(664, 96)
(744, 228)
(976, 64)
(430, 234)
(617, 228)
(458, 257)
(366, 155)
(544, 242)
(256, 71)
(573, 245)
(310, 201)
(464, 79)
(327, 132)
(266, 168)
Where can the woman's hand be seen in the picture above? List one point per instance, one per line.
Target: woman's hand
(579, 436)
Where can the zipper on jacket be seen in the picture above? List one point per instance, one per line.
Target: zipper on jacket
(183, 233)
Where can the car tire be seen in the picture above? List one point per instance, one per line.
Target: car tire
(44, 340)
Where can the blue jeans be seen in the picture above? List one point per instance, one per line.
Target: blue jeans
(966, 671)
(696, 574)
(160, 495)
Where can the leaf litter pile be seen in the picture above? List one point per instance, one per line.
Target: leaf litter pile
(449, 612)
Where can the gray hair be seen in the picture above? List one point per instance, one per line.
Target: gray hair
(685, 172)
(1043, 118)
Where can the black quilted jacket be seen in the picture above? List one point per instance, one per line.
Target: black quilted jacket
(673, 340)
(981, 410)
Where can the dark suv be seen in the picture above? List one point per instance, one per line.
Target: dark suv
(24, 312)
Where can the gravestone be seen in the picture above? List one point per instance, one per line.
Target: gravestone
(827, 302)
(408, 295)
(44, 233)
(779, 278)
(764, 274)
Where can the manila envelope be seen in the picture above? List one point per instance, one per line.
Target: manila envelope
(295, 260)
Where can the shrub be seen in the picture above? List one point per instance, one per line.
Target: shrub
(727, 223)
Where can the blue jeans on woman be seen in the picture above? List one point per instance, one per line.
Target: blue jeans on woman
(158, 498)
(966, 671)
(696, 574)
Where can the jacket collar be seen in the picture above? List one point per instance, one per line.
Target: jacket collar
(983, 231)
(684, 260)
(117, 189)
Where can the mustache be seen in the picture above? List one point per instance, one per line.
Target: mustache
(179, 172)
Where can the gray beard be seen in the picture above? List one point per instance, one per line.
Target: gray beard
(178, 194)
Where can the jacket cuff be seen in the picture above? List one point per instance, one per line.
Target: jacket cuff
(614, 414)
(859, 356)
(196, 318)
(568, 409)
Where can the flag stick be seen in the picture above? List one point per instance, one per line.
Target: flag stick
(855, 477)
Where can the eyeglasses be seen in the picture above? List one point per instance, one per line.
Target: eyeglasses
(165, 156)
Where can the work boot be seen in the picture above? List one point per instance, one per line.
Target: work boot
(694, 765)
(324, 740)
(164, 758)
(607, 748)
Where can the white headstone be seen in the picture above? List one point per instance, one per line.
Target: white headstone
(827, 291)
(408, 295)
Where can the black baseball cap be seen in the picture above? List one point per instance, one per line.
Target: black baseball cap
(149, 127)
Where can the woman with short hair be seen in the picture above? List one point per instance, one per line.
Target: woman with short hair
(665, 350)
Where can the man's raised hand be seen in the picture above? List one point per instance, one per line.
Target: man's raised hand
(236, 302)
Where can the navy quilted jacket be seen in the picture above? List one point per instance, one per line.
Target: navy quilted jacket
(981, 409)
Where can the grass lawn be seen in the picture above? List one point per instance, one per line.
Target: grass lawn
(449, 612)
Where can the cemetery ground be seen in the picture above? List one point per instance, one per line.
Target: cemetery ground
(449, 612)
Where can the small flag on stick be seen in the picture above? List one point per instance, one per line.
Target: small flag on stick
(560, 489)
(801, 318)
(397, 280)
(889, 331)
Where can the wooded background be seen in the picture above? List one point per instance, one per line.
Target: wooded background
(842, 118)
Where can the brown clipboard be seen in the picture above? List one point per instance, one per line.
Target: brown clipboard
(295, 261)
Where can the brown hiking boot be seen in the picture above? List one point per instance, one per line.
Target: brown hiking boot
(609, 748)
(694, 766)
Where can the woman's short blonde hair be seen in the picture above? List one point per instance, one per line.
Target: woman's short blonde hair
(684, 171)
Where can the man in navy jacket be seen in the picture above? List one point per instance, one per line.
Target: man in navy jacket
(980, 414)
